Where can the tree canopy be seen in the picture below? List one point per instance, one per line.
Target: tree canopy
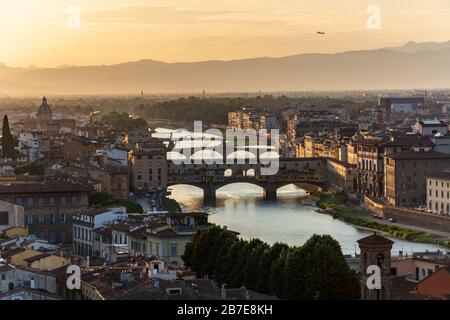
(123, 121)
(32, 168)
(105, 200)
(8, 151)
(318, 268)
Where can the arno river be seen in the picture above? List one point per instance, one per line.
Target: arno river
(291, 219)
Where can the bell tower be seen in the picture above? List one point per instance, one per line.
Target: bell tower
(375, 251)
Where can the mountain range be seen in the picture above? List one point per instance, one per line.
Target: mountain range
(414, 65)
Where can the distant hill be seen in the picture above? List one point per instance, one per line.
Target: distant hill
(414, 65)
(412, 46)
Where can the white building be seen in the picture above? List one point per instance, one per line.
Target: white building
(85, 223)
(118, 154)
(29, 146)
(438, 193)
(11, 215)
(430, 127)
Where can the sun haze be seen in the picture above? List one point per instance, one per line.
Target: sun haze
(45, 33)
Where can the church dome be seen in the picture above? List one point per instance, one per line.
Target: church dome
(44, 111)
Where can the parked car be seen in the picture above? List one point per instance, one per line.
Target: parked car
(392, 220)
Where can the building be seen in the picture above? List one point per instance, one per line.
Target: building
(148, 166)
(430, 127)
(416, 267)
(371, 152)
(437, 285)
(140, 135)
(44, 112)
(45, 121)
(438, 192)
(386, 104)
(49, 206)
(341, 175)
(11, 215)
(29, 146)
(85, 224)
(376, 251)
(249, 118)
(405, 176)
(78, 150)
(168, 241)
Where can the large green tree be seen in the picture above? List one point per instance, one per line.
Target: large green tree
(7, 140)
(315, 270)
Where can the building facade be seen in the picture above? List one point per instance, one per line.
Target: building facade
(49, 206)
(148, 164)
(438, 193)
(406, 174)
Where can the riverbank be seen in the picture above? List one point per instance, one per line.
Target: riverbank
(336, 205)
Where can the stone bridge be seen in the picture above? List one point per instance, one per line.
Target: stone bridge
(309, 173)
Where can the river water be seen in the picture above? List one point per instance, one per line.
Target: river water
(291, 219)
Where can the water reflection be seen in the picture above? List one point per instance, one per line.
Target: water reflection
(291, 219)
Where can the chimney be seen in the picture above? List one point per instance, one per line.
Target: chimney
(223, 291)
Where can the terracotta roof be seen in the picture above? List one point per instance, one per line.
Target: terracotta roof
(411, 140)
(36, 257)
(12, 252)
(419, 155)
(440, 176)
(375, 240)
(6, 268)
(53, 187)
(96, 212)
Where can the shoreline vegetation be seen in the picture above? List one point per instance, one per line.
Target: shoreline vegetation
(171, 205)
(335, 204)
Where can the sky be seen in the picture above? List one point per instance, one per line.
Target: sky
(46, 33)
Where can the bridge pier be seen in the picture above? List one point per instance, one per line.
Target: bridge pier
(271, 192)
(209, 195)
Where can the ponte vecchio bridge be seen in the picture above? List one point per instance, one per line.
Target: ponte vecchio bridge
(309, 173)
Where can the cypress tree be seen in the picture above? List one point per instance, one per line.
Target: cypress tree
(7, 140)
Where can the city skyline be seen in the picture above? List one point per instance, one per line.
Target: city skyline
(46, 33)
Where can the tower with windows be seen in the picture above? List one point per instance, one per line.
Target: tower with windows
(376, 250)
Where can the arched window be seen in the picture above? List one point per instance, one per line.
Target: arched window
(380, 260)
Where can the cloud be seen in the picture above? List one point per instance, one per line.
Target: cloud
(175, 16)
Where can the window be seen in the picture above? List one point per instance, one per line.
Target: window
(41, 219)
(19, 201)
(63, 201)
(4, 218)
(173, 249)
(41, 201)
(29, 202)
(30, 219)
(74, 200)
(52, 201)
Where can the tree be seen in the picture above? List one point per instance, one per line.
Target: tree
(7, 140)
(287, 272)
(105, 200)
(33, 169)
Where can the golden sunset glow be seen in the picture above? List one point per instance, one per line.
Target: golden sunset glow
(34, 32)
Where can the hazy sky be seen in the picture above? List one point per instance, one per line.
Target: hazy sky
(35, 32)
